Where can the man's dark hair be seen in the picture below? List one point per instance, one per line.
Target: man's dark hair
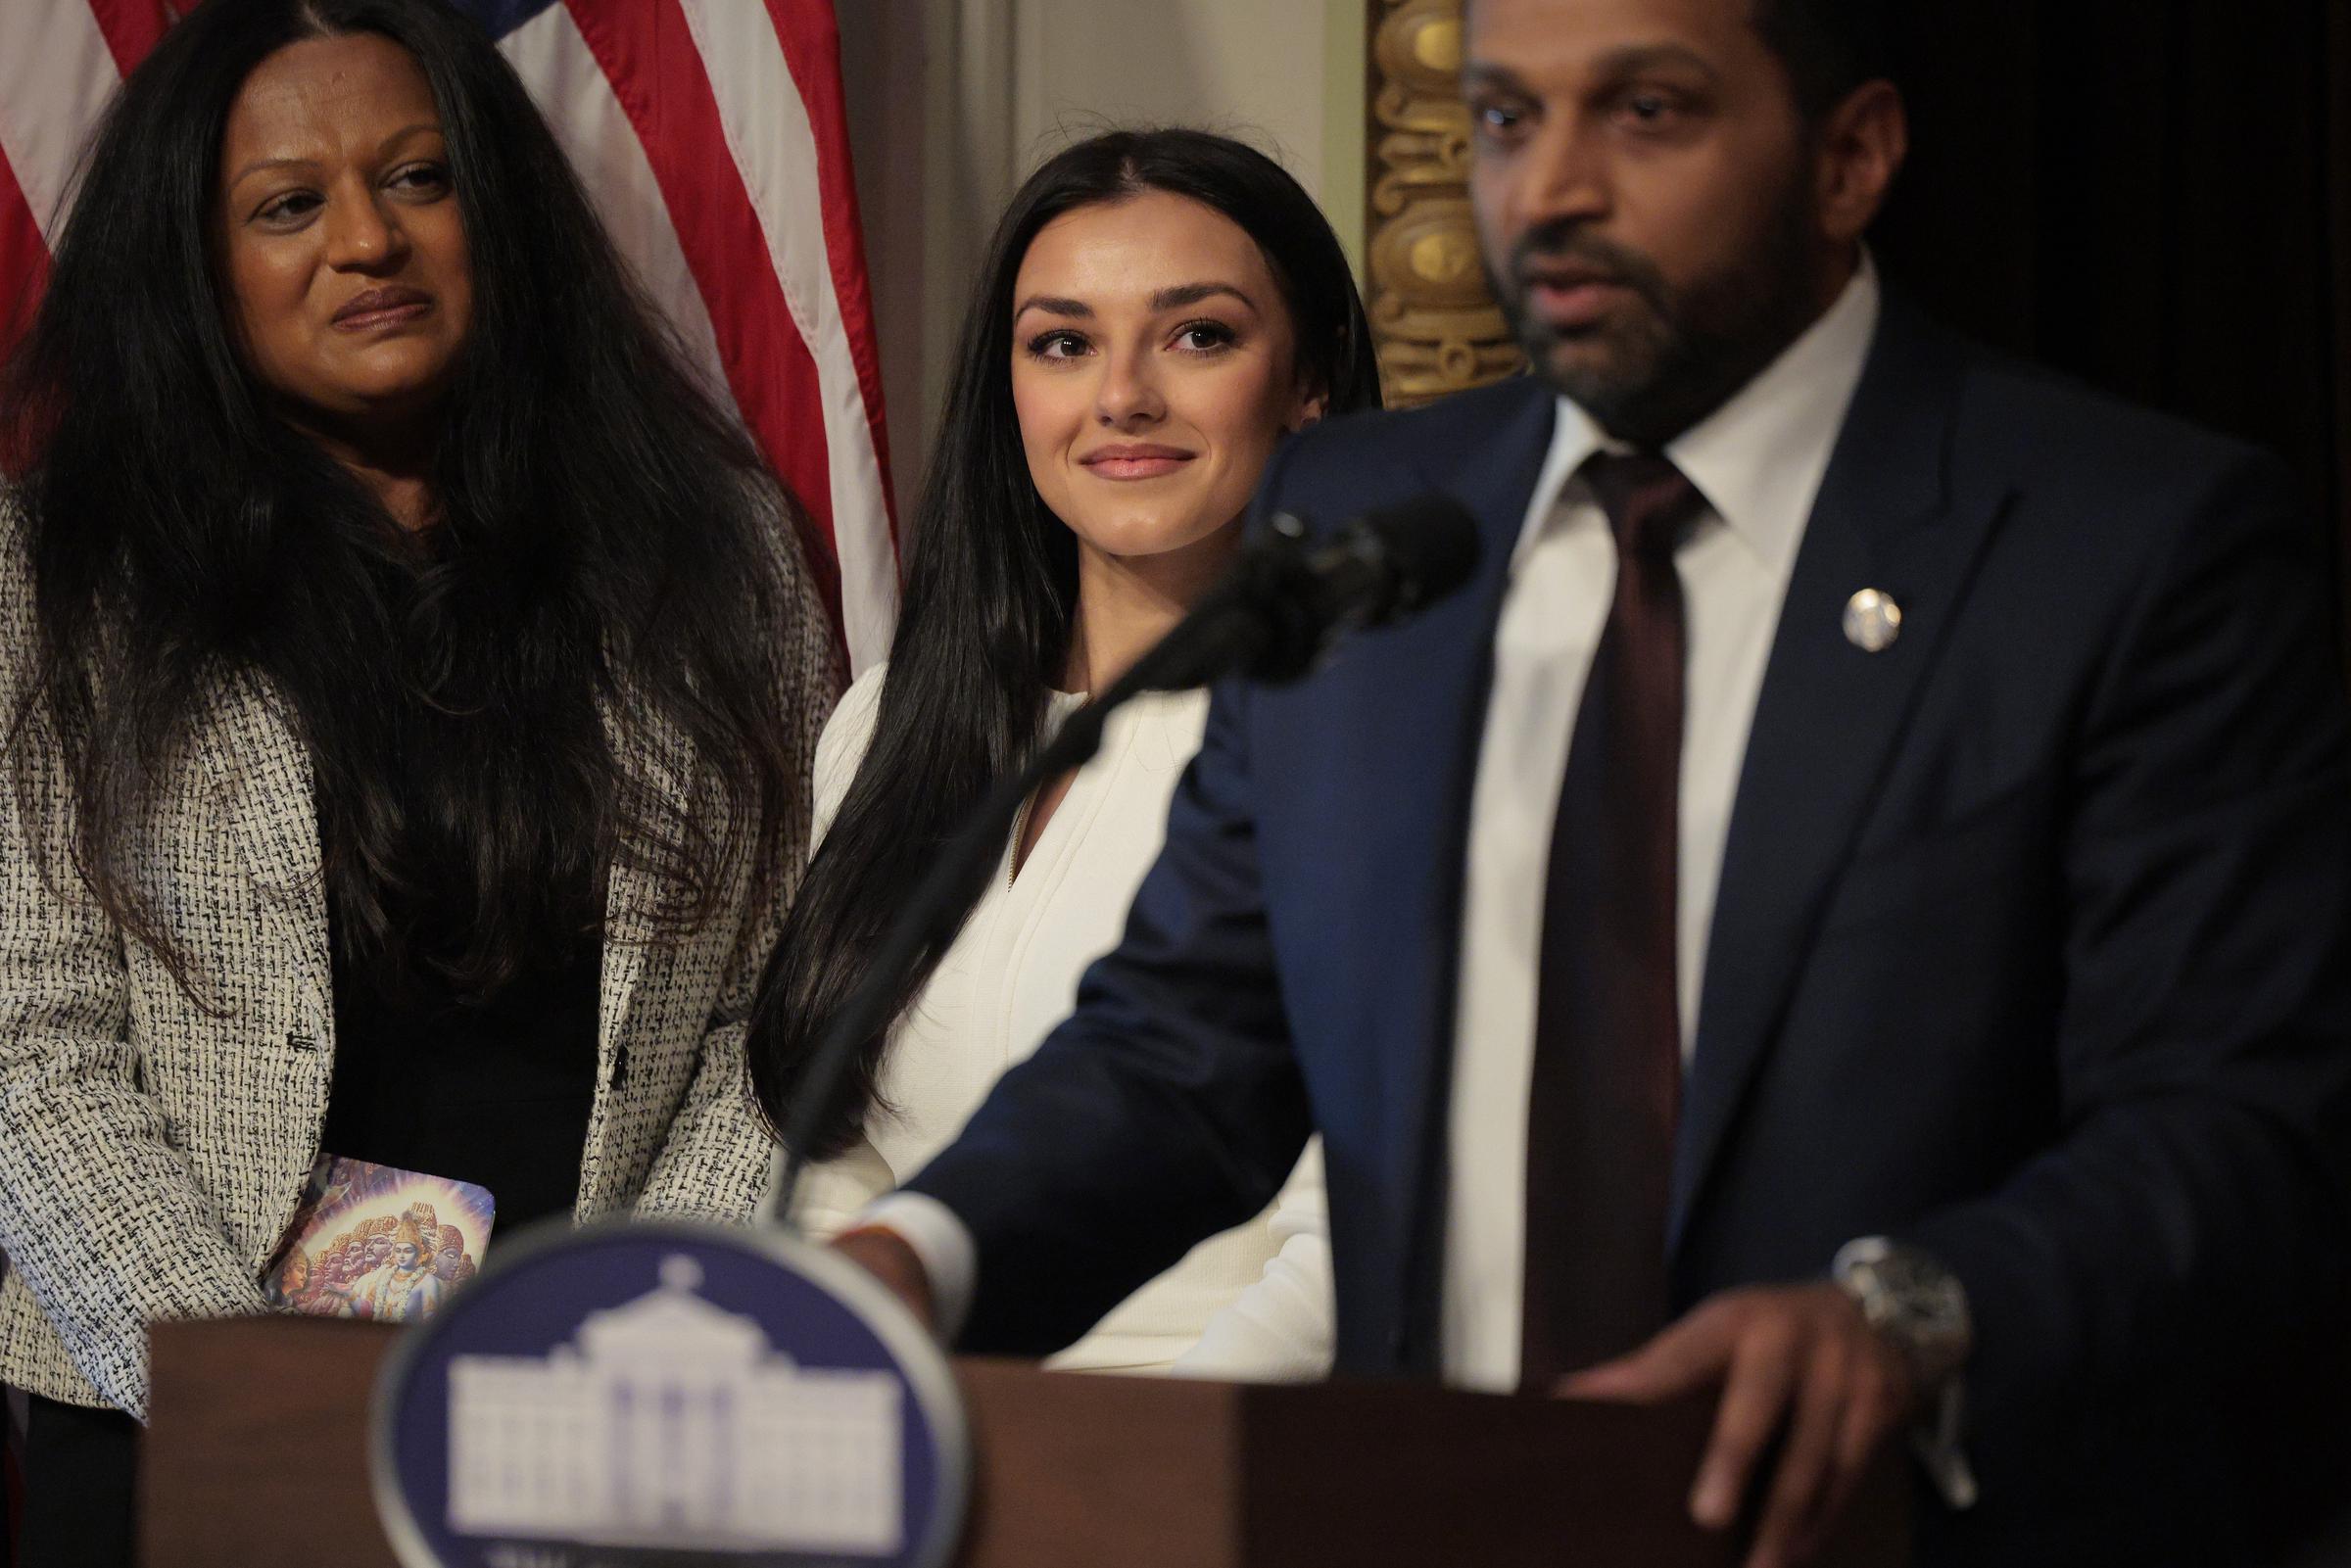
(1828, 47)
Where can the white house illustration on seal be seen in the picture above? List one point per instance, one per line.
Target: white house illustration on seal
(672, 1422)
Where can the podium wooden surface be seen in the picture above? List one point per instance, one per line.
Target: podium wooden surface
(256, 1456)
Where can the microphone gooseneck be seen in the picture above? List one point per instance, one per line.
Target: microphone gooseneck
(1286, 600)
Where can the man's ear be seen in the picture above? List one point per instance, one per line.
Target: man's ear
(1861, 146)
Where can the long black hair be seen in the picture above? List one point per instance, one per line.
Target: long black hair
(992, 584)
(605, 551)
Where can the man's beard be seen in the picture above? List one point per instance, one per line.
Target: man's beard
(1683, 352)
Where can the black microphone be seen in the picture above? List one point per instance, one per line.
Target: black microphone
(1285, 602)
(1288, 597)
(1392, 560)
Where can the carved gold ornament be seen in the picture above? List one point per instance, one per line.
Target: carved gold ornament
(1436, 325)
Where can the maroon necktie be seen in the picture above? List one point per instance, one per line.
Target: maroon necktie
(1608, 1069)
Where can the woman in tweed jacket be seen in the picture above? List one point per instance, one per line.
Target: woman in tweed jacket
(389, 630)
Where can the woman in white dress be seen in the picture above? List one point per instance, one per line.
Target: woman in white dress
(1157, 311)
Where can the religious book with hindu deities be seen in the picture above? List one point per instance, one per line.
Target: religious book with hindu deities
(374, 1242)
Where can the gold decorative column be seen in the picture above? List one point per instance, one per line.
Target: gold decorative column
(1437, 327)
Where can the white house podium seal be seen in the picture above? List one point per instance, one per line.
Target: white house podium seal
(634, 1395)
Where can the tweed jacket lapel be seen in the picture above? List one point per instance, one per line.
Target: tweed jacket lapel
(652, 1004)
(260, 773)
(649, 749)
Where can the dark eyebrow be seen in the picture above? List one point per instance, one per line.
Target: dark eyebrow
(1052, 305)
(1477, 74)
(389, 142)
(1630, 61)
(1183, 294)
(1168, 299)
(432, 126)
(261, 163)
(1634, 59)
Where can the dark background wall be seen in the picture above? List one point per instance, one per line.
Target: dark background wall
(2155, 194)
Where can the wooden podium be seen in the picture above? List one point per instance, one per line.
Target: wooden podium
(256, 1457)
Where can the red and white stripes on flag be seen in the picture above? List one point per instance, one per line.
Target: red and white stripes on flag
(712, 136)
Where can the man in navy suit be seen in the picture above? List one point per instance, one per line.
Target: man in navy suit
(1852, 907)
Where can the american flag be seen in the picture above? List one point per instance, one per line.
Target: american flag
(712, 134)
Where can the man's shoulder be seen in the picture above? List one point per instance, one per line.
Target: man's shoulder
(2050, 435)
(2112, 500)
(2069, 425)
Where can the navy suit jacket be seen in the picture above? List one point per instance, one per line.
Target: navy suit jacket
(2033, 947)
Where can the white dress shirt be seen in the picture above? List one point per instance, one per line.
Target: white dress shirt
(1758, 461)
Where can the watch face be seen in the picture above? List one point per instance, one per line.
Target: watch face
(1924, 1301)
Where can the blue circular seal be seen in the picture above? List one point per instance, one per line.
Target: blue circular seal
(668, 1393)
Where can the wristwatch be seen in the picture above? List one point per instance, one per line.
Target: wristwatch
(1920, 1308)
(1914, 1301)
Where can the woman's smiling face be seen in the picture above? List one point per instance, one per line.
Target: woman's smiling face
(1154, 372)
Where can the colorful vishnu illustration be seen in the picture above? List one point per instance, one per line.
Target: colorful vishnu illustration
(374, 1242)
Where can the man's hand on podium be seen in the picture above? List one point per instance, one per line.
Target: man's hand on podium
(1799, 1359)
(884, 1254)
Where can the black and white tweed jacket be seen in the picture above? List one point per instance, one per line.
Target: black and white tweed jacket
(152, 1151)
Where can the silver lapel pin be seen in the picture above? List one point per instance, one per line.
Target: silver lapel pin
(1872, 621)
